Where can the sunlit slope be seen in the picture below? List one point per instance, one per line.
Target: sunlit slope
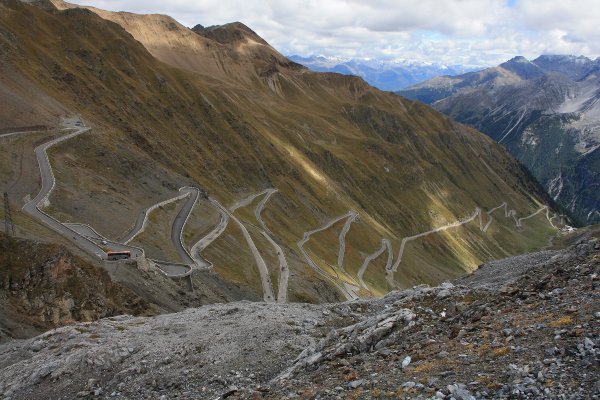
(328, 143)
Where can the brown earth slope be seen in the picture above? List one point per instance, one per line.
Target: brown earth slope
(220, 109)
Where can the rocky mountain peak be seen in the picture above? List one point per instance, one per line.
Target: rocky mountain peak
(523, 68)
(229, 33)
(574, 67)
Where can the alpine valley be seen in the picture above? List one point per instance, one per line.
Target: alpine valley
(225, 171)
(188, 214)
(546, 112)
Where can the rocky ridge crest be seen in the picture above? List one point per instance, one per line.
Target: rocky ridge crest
(531, 335)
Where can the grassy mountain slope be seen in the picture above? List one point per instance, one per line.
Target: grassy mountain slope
(226, 112)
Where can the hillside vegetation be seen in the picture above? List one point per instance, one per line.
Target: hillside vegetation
(221, 110)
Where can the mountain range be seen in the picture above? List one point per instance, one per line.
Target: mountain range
(546, 112)
(213, 158)
(389, 75)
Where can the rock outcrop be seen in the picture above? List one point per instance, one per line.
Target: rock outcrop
(43, 286)
(531, 334)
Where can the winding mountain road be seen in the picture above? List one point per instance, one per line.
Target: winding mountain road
(7, 135)
(259, 208)
(142, 220)
(204, 242)
(342, 249)
(101, 241)
(34, 207)
(84, 236)
(88, 239)
(246, 201)
(263, 271)
(284, 271)
(179, 223)
(348, 294)
(385, 245)
(508, 213)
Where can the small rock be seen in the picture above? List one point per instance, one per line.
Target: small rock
(356, 383)
(459, 392)
(406, 361)
(443, 354)
(230, 392)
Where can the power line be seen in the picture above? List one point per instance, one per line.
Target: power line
(9, 226)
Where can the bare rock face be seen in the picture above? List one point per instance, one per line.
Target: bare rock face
(531, 334)
(44, 286)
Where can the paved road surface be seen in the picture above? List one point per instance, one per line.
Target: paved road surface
(259, 208)
(204, 242)
(263, 271)
(342, 237)
(180, 221)
(173, 270)
(385, 245)
(348, 294)
(48, 182)
(142, 220)
(102, 242)
(6, 135)
(508, 213)
(284, 271)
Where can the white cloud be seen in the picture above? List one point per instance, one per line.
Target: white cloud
(478, 32)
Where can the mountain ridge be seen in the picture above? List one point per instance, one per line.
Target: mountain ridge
(383, 74)
(527, 325)
(550, 105)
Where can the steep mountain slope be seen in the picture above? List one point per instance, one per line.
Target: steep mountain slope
(547, 106)
(301, 174)
(383, 74)
(44, 286)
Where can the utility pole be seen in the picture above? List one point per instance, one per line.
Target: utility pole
(9, 227)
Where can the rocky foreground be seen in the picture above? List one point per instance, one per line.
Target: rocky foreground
(523, 327)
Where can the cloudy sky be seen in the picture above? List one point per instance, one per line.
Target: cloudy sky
(466, 32)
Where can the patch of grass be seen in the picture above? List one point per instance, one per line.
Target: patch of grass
(500, 352)
(563, 321)
(425, 367)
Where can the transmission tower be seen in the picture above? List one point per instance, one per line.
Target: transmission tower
(9, 227)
